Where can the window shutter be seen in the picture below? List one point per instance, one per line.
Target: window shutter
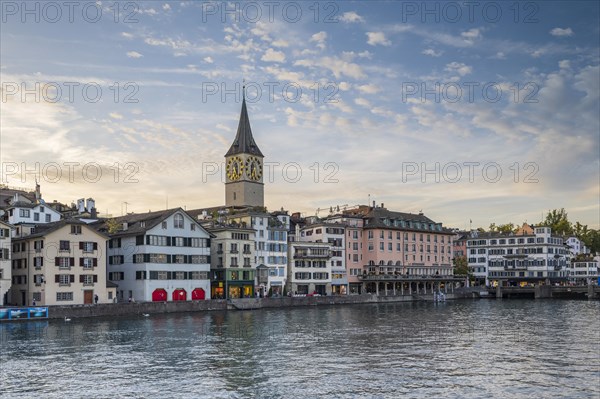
(80, 261)
(42, 244)
(57, 278)
(72, 278)
(147, 240)
(208, 242)
(81, 245)
(95, 245)
(110, 243)
(95, 262)
(81, 278)
(95, 278)
(72, 261)
(57, 261)
(122, 259)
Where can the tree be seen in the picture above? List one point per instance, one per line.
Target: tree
(461, 266)
(558, 221)
(506, 228)
(112, 226)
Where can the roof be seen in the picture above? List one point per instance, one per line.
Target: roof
(110, 284)
(134, 225)
(376, 217)
(244, 142)
(43, 229)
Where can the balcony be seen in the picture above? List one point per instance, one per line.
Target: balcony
(234, 251)
(219, 251)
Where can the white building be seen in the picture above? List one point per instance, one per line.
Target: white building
(576, 246)
(584, 271)
(5, 264)
(335, 235)
(309, 268)
(158, 256)
(534, 256)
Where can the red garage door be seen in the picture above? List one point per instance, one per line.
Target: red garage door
(159, 295)
(179, 295)
(198, 294)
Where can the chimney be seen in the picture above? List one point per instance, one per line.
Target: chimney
(94, 213)
(90, 205)
(373, 204)
(80, 205)
(125, 226)
(382, 205)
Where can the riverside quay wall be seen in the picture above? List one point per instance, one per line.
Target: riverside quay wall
(139, 308)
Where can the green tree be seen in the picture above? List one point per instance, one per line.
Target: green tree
(506, 228)
(461, 266)
(558, 221)
(112, 226)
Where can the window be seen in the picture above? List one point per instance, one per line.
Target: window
(88, 246)
(178, 221)
(64, 279)
(64, 262)
(64, 245)
(36, 217)
(88, 279)
(24, 213)
(75, 229)
(88, 263)
(164, 225)
(64, 296)
(48, 218)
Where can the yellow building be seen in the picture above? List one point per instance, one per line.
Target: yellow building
(60, 263)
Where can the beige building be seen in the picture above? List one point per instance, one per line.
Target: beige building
(5, 270)
(60, 263)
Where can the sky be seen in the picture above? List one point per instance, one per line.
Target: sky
(485, 112)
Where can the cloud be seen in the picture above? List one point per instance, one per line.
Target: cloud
(127, 35)
(134, 54)
(280, 43)
(166, 7)
(208, 60)
(561, 32)
(362, 102)
(273, 56)
(471, 34)
(431, 52)
(350, 17)
(336, 65)
(458, 67)
(320, 39)
(369, 89)
(376, 38)
(115, 115)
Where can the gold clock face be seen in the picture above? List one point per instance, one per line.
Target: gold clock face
(235, 168)
(253, 169)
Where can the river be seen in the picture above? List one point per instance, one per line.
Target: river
(457, 349)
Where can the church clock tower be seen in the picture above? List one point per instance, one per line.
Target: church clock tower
(244, 185)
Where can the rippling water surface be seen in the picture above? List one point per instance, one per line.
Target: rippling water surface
(462, 349)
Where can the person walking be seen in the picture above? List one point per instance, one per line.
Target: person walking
(96, 298)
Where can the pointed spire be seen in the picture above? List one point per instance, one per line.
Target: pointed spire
(244, 142)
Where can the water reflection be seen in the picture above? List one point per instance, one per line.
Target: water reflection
(468, 349)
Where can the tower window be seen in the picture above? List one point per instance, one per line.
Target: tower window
(234, 196)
